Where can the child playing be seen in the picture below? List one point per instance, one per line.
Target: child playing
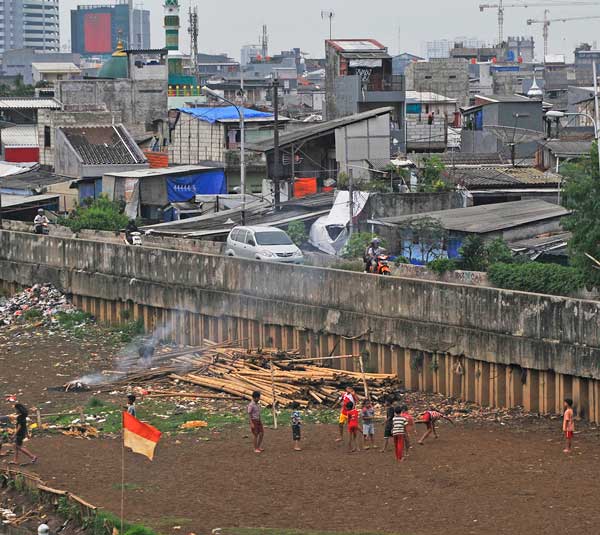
(21, 433)
(296, 430)
(349, 396)
(410, 427)
(256, 426)
(131, 405)
(568, 424)
(389, 416)
(352, 415)
(368, 415)
(429, 418)
(399, 433)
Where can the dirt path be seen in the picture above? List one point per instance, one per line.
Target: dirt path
(474, 479)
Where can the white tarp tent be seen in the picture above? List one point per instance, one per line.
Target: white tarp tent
(330, 233)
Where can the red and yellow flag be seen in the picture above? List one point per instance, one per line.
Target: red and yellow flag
(140, 437)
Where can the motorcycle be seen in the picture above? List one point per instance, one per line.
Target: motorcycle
(42, 229)
(383, 266)
(133, 238)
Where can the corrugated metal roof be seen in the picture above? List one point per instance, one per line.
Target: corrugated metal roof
(56, 67)
(20, 136)
(427, 96)
(29, 103)
(317, 129)
(157, 171)
(489, 217)
(508, 176)
(13, 201)
(569, 149)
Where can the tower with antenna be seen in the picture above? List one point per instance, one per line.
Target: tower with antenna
(264, 41)
(193, 31)
(328, 14)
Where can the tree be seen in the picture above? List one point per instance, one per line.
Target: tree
(357, 244)
(99, 214)
(431, 176)
(498, 251)
(473, 253)
(582, 197)
(422, 239)
(297, 232)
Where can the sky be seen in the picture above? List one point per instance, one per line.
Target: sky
(399, 24)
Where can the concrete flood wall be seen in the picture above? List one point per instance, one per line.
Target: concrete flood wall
(494, 347)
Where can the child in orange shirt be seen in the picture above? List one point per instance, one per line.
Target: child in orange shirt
(353, 416)
(568, 424)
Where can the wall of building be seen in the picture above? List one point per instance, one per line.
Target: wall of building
(142, 104)
(399, 204)
(194, 141)
(447, 76)
(19, 61)
(494, 347)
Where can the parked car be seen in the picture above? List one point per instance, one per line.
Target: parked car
(263, 243)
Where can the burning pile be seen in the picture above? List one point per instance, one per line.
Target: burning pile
(41, 301)
(282, 377)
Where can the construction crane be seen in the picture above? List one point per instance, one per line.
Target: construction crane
(501, 6)
(546, 22)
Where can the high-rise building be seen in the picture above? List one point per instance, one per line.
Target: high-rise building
(29, 24)
(96, 30)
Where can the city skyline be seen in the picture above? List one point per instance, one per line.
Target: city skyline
(400, 27)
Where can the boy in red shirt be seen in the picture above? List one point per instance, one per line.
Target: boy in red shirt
(568, 424)
(352, 415)
(349, 396)
(430, 418)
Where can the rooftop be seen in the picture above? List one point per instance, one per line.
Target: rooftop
(356, 45)
(160, 171)
(427, 96)
(489, 217)
(227, 114)
(32, 180)
(56, 68)
(503, 98)
(103, 145)
(569, 149)
(22, 201)
(317, 129)
(18, 103)
(505, 176)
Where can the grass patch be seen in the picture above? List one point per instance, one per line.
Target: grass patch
(33, 314)
(73, 320)
(170, 521)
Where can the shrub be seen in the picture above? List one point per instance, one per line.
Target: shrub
(33, 314)
(550, 279)
(441, 265)
(297, 232)
(473, 254)
(99, 214)
(498, 251)
(401, 260)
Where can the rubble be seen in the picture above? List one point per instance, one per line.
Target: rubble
(40, 302)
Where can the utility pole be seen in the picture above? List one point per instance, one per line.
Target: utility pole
(328, 14)
(350, 203)
(276, 156)
(193, 31)
(597, 123)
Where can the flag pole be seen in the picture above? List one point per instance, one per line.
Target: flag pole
(122, 477)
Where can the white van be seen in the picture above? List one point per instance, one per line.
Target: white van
(263, 243)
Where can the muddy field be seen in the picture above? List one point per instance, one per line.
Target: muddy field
(479, 477)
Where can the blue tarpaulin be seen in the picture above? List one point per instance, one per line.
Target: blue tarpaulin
(227, 113)
(185, 188)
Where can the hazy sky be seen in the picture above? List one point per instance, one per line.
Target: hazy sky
(227, 25)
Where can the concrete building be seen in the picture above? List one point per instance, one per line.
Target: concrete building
(216, 65)
(31, 24)
(585, 55)
(359, 78)
(96, 29)
(428, 116)
(581, 100)
(19, 144)
(497, 124)
(52, 73)
(448, 77)
(401, 61)
(15, 62)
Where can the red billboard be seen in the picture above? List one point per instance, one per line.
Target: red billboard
(97, 33)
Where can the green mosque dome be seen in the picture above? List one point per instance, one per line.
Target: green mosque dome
(116, 66)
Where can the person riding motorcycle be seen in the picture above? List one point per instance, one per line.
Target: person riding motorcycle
(40, 222)
(129, 229)
(373, 251)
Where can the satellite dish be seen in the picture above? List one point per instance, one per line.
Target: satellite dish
(512, 136)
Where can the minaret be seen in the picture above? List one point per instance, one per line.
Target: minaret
(172, 25)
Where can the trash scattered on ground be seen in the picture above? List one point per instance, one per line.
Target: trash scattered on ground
(194, 424)
(39, 303)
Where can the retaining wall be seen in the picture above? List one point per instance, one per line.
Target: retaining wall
(486, 345)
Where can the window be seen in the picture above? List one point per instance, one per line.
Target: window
(47, 137)
(452, 77)
(273, 237)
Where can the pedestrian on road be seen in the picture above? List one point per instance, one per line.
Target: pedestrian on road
(399, 424)
(568, 425)
(296, 430)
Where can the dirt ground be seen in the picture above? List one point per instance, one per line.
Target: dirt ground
(478, 478)
(474, 479)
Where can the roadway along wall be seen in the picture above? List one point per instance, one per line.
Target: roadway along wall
(491, 346)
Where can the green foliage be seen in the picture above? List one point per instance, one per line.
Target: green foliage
(357, 244)
(99, 214)
(539, 278)
(582, 197)
(431, 179)
(18, 90)
(441, 265)
(95, 403)
(127, 332)
(498, 251)
(342, 181)
(401, 260)
(33, 314)
(297, 232)
(71, 320)
(424, 234)
(473, 254)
